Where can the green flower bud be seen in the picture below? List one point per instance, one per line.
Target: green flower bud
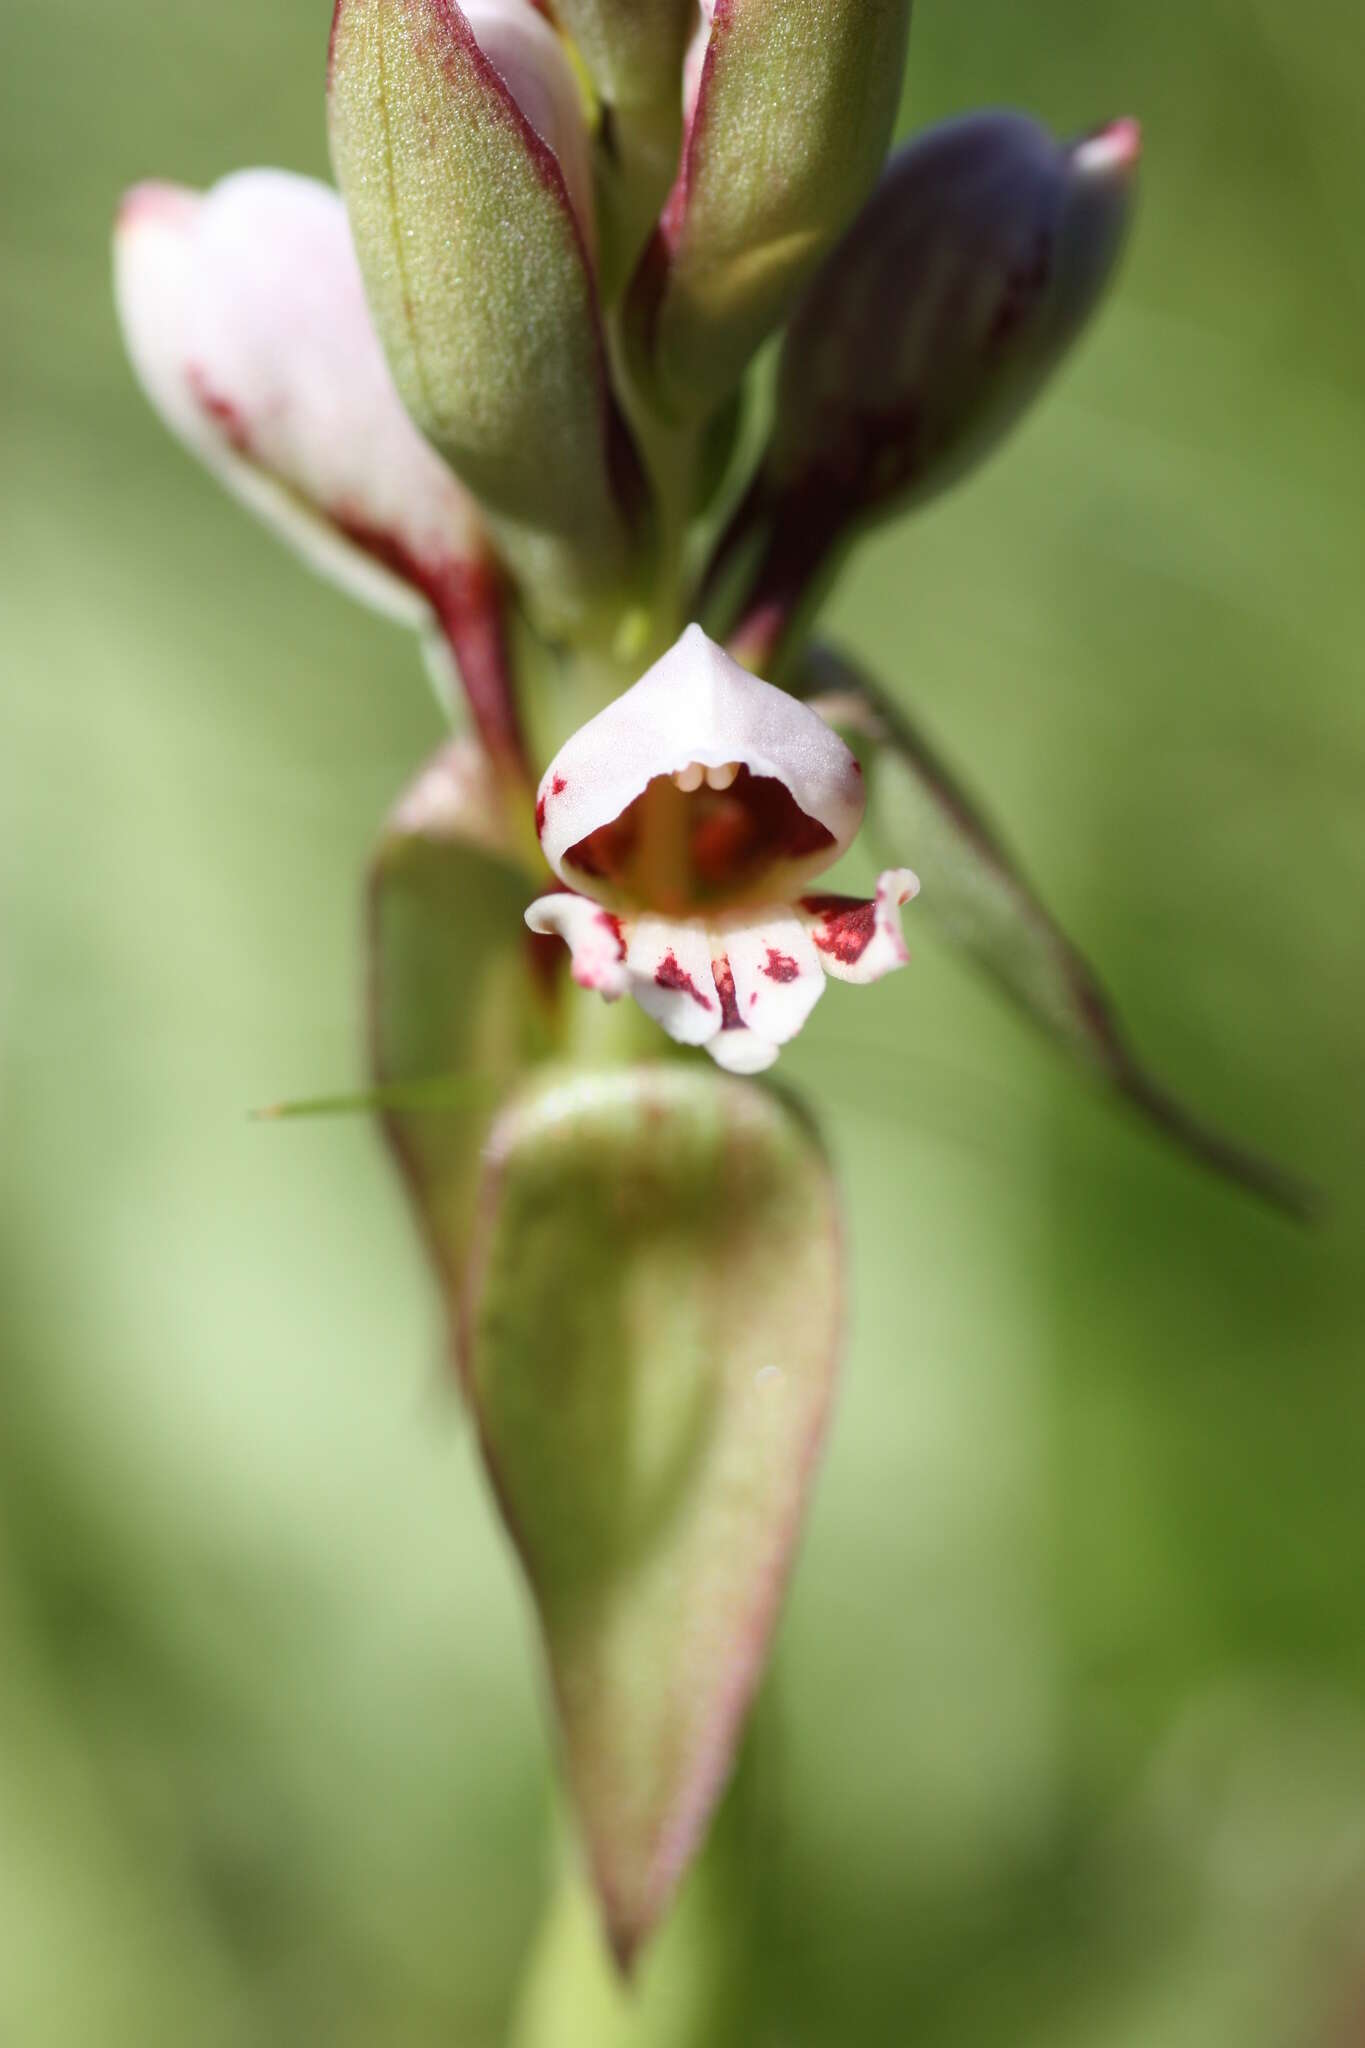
(956, 292)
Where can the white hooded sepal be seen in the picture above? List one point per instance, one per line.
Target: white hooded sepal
(697, 708)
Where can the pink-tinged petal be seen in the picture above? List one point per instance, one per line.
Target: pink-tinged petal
(532, 62)
(777, 975)
(695, 60)
(246, 322)
(860, 939)
(794, 804)
(596, 940)
(671, 979)
(735, 1047)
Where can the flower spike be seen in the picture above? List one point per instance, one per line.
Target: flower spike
(686, 819)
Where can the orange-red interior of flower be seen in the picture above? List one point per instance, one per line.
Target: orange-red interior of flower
(678, 851)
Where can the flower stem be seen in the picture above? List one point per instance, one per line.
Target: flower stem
(696, 1984)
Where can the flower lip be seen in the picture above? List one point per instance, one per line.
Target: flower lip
(701, 788)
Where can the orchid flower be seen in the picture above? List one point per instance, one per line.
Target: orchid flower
(687, 819)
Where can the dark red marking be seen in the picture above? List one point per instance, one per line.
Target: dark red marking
(730, 1019)
(467, 598)
(223, 411)
(613, 925)
(847, 925)
(780, 966)
(557, 788)
(668, 974)
(734, 836)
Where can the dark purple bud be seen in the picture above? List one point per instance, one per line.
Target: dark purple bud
(961, 284)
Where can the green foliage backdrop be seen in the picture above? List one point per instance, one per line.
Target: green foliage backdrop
(1070, 1721)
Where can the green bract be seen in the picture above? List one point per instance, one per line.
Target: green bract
(794, 111)
(453, 997)
(480, 285)
(654, 1323)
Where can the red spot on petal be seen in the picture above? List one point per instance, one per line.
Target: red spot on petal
(730, 1019)
(467, 598)
(668, 974)
(558, 786)
(613, 925)
(847, 925)
(222, 410)
(540, 817)
(780, 966)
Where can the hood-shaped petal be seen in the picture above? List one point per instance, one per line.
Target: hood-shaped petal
(696, 709)
(246, 322)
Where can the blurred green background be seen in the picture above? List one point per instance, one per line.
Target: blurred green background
(1071, 1712)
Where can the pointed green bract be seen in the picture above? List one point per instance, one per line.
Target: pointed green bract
(456, 1011)
(481, 289)
(975, 893)
(654, 1328)
(793, 115)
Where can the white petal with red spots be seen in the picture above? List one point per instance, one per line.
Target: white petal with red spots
(778, 979)
(671, 979)
(596, 943)
(858, 940)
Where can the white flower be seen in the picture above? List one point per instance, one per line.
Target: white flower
(687, 819)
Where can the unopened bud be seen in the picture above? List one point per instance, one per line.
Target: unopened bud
(956, 292)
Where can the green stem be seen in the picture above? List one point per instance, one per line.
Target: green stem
(696, 1985)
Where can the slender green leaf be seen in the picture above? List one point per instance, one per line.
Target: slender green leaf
(975, 893)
